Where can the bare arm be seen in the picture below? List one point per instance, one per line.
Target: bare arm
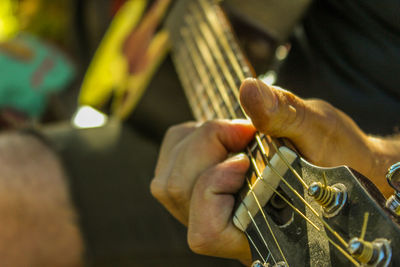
(38, 222)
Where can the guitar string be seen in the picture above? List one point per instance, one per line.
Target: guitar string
(259, 176)
(213, 21)
(186, 83)
(191, 98)
(208, 58)
(229, 49)
(252, 242)
(259, 232)
(190, 23)
(281, 156)
(227, 73)
(204, 77)
(266, 221)
(202, 112)
(194, 52)
(189, 94)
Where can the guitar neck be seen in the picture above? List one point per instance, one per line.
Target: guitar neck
(209, 62)
(211, 67)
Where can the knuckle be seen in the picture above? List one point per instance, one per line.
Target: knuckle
(198, 243)
(173, 130)
(157, 190)
(175, 191)
(211, 126)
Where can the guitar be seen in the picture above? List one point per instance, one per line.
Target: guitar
(292, 212)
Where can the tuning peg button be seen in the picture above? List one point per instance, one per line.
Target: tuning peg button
(393, 178)
(374, 254)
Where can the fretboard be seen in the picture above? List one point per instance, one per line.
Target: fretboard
(209, 62)
(211, 67)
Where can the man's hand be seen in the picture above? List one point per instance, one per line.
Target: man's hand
(323, 134)
(196, 178)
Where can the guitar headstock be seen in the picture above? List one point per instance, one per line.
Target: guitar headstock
(313, 216)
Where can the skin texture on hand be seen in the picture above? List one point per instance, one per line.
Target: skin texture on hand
(323, 134)
(195, 178)
(195, 173)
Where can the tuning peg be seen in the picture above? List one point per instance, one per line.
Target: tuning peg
(393, 178)
(373, 254)
(376, 253)
(331, 198)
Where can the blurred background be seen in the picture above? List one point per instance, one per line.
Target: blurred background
(95, 78)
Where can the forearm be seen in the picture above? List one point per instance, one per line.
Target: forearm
(38, 223)
(386, 153)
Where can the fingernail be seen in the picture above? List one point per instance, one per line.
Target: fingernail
(238, 157)
(267, 95)
(241, 121)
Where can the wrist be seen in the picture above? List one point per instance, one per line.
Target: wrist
(385, 152)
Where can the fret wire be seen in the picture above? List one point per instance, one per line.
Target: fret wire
(211, 65)
(234, 61)
(210, 40)
(202, 73)
(202, 93)
(216, 26)
(195, 93)
(201, 99)
(219, 32)
(190, 94)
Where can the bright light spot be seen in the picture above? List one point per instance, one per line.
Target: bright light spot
(269, 77)
(281, 52)
(88, 117)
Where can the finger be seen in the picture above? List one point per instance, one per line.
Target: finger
(207, 146)
(174, 135)
(210, 229)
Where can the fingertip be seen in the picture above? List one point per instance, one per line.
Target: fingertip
(259, 101)
(241, 160)
(248, 92)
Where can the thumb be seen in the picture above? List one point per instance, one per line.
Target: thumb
(319, 131)
(279, 113)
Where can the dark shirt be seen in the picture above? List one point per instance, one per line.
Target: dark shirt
(349, 54)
